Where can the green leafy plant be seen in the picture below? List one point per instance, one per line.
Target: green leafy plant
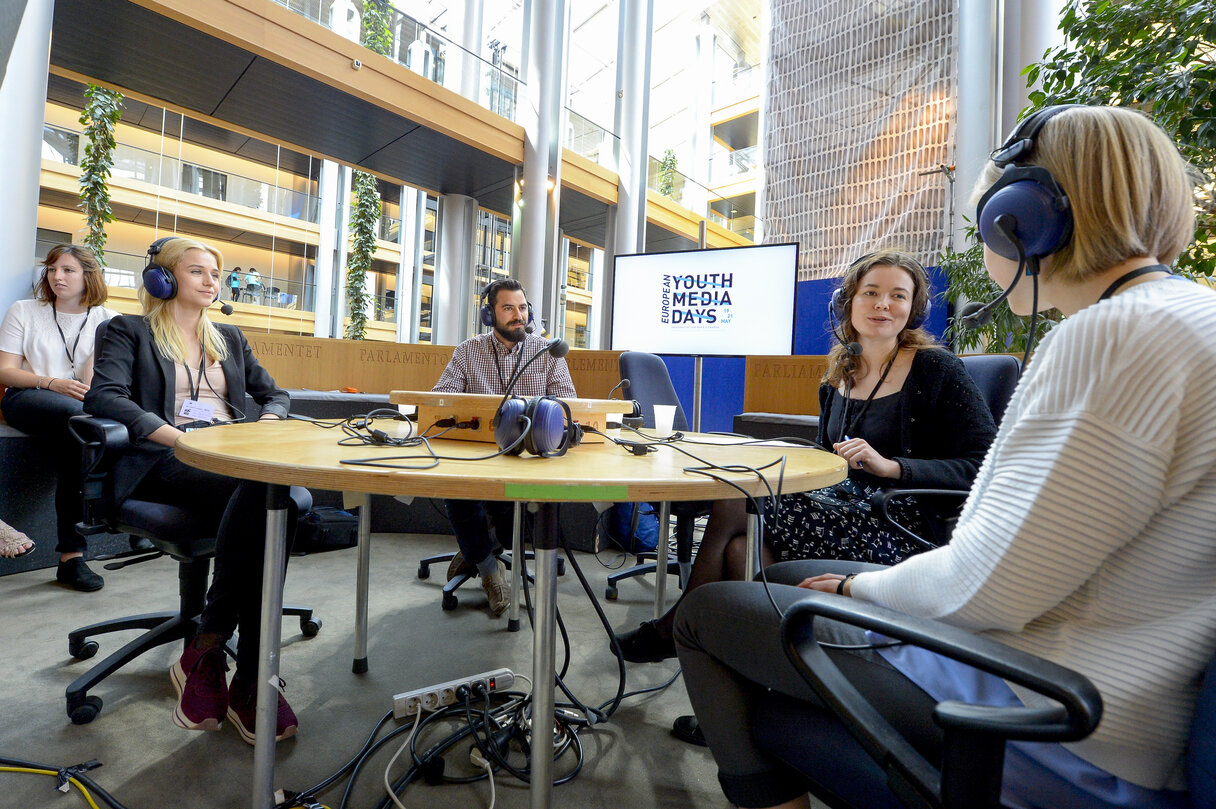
(99, 119)
(667, 174)
(363, 220)
(968, 278)
(376, 36)
(1155, 55)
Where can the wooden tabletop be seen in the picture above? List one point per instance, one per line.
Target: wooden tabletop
(302, 454)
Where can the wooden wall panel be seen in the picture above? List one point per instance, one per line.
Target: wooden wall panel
(774, 384)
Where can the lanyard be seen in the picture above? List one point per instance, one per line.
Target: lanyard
(1136, 273)
(498, 363)
(195, 392)
(71, 352)
(846, 427)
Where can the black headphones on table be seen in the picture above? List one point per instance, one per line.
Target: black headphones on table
(1028, 195)
(487, 307)
(540, 425)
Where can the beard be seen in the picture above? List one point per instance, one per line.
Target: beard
(511, 333)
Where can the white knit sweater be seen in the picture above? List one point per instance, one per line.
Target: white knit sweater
(1089, 537)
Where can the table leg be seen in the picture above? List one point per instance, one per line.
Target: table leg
(753, 528)
(660, 562)
(545, 542)
(274, 563)
(363, 501)
(517, 568)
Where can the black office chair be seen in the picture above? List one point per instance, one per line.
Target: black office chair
(996, 376)
(173, 533)
(871, 765)
(649, 385)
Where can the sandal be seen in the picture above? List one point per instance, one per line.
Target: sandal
(13, 543)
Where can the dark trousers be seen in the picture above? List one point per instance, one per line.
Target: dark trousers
(729, 643)
(471, 521)
(45, 414)
(236, 511)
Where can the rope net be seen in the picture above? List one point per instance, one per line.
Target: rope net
(859, 128)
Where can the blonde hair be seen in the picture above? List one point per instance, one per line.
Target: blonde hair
(1130, 190)
(159, 313)
(95, 289)
(840, 362)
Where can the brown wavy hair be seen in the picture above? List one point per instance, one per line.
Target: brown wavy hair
(95, 290)
(840, 362)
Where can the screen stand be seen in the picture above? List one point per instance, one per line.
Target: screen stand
(696, 393)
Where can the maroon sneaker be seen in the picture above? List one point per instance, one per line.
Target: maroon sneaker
(242, 710)
(202, 688)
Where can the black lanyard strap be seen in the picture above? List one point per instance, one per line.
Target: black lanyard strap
(196, 392)
(847, 426)
(1128, 276)
(71, 352)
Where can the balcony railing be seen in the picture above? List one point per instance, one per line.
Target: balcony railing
(725, 167)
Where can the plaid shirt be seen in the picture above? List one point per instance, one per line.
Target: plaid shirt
(482, 364)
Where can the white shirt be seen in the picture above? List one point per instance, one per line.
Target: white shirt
(1089, 537)
(29, 330)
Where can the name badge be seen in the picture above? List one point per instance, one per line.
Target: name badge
(197, 411)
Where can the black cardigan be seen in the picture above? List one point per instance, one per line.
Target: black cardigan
(134, 384)
(945, 428)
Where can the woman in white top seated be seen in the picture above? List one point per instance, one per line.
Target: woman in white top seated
(1089, 537)
(46, 361)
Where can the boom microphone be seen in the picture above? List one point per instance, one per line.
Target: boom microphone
(624, 383)
(973, 315)
(557, 347)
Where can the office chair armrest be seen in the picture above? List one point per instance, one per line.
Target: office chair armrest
(880, 502)
(102, 442)
(975, 734)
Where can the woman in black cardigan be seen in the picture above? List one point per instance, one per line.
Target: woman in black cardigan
(163, 374)
(900, 410)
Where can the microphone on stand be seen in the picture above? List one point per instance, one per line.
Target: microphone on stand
(556, 347)
(624, 383)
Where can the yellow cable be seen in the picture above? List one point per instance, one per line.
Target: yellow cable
(84, 792)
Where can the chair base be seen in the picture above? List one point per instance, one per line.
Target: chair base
(449, 601)
(162, 628)
(674, 568)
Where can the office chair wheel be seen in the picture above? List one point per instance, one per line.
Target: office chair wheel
(310, 626)
(424, 571)
(610, 593)
(449, 602)
(84, 710)
(82, 648)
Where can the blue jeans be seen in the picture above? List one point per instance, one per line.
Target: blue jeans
(469, 522)
(45, 414)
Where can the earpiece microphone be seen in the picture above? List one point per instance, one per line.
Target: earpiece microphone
(528, 329)
(226, 308)
(977, 318)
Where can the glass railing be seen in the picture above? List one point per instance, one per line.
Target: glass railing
(428, 53)
(384, 307)
(591, 140)
(745, 83)
(389, 229)
(133, 163)
(725, 167)
(124, 270)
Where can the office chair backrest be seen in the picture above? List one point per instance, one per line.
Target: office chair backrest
(996, 375)
(649, 385)
(1201, 749)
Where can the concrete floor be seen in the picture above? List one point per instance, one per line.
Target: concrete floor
(630, 761)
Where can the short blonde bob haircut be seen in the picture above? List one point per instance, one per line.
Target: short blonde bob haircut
(159, 313)
(1131, 192)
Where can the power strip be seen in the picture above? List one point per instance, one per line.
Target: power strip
(434, 697)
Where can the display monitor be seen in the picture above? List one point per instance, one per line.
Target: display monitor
(726, 302)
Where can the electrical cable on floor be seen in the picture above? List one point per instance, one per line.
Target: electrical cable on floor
(74, 775)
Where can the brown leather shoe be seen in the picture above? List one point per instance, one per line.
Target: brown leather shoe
(497, 591)
(459, 566)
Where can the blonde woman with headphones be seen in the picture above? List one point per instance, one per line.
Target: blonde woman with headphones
(162, 374)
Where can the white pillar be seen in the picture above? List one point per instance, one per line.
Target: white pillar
(543, 115)
(451, 294)
(25, 52)
(413, 204)
(470, 40)
(329, 191)
(978, 114)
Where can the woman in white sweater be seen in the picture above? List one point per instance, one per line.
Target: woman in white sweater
(1089, 537)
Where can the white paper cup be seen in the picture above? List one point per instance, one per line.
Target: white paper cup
(664, 417)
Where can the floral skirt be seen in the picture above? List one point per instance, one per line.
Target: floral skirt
(838, 523)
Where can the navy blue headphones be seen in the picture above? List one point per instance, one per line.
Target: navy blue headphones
(1028, 195)
(916, 319)
(487, 307)
(543, 422)
(159, 282)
